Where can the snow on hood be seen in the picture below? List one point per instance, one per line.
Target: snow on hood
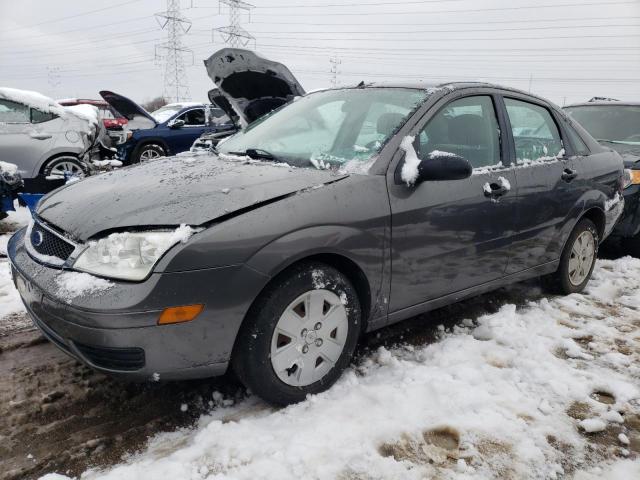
(32, 99)
(191, 190)
(252, 84)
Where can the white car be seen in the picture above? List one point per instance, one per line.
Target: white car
(44, 138)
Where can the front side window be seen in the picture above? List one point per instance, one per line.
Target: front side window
(466, 127)
(193, 118)
(535, 133)
(38, 116)
(13, 112)
(329, 128)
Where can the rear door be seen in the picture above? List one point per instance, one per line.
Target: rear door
(546, 179)
(448, 236)
(26, 135)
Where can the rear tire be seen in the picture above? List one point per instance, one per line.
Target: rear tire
(577, 260)
(148, 151)
(299, 335)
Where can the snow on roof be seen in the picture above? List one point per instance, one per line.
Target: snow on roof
(32, 99)
(184, 104)
(85, 112)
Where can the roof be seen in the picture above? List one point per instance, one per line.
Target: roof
(81, 101)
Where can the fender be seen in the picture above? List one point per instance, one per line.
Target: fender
(367, 251)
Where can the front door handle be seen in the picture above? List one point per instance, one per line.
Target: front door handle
(496, 189)
(40, 136)
(569, 174)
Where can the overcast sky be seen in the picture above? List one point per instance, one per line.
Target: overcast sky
(566, 50)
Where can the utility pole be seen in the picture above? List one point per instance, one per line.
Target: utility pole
(335, 61)
(233, 34)
(172, 52)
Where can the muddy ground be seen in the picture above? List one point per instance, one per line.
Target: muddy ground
(59, 416)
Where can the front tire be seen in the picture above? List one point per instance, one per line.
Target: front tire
(149, 151)
(577, 260)
(299, 335)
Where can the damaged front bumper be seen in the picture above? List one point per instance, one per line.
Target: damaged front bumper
(116, 332)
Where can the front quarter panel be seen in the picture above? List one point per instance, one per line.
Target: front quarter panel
(349, 217)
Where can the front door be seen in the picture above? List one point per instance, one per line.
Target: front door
(448, 236)
(194, 125)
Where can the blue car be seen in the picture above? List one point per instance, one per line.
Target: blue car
(169, 130)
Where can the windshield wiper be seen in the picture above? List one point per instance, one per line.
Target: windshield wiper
(256, 154)
(619, 142)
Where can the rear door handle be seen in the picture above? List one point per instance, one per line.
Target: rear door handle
(496, 189)
(40, 136)
(569, 174)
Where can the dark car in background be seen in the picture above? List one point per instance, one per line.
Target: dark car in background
(616, 125)
(167, 131)
(341, 212)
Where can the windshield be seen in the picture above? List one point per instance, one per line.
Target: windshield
(165, 113)
(616, 123)
(329, 128)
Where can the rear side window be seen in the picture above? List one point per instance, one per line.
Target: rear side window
(467, 127)
(13, 112)
(535, 133)
(39, 117)
(579, 147)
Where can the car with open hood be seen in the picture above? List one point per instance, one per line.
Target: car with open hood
(169, 130)
(616, 125)
(248, 86)
(337, 214)
(44, 138)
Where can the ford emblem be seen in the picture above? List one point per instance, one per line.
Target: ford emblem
(37, 238)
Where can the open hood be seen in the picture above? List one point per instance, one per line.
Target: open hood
(253, 85)
(217, 98)
(138, 117)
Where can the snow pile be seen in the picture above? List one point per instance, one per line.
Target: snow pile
(409, 173)
(10, 168)
(75, 284)
(491, 399)
(10, 302)
(32, 99)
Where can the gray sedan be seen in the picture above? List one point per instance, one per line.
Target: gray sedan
(337, 214)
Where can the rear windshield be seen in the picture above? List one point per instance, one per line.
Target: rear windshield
(618, 123)
(329, 128)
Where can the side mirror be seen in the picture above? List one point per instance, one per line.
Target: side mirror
(443, 166)
(176, 124)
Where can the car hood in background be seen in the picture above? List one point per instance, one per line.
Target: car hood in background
(137, 116)
(253, 85)
(190, 190)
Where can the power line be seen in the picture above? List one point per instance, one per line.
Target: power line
(59, 19)
(234, 34)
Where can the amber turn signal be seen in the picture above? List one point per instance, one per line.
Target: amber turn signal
(185, 313)
(634, 177)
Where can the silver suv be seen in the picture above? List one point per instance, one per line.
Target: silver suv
(42, 137)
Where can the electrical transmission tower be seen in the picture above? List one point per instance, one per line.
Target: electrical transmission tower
(172, 52)
(335, 61)
(234, 34)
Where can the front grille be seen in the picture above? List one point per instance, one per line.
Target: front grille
(46, 243)
(113, 358)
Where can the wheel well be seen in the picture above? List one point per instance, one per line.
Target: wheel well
(160, 143)
(597, 217)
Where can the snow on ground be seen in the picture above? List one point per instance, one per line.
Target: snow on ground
(506, 396)
(14, 221)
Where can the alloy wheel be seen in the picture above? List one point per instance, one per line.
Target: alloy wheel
(149, 154)
(309, 338)
(63, 166)
(582, 256)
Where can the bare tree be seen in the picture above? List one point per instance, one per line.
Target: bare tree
(154, 104)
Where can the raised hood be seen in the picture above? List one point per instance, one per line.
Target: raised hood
(217, 98)
(137, 116)
(253, 85)
(170, 192)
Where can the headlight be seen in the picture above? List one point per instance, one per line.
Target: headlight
(631, 177)
(129, 135)
(129, 255)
